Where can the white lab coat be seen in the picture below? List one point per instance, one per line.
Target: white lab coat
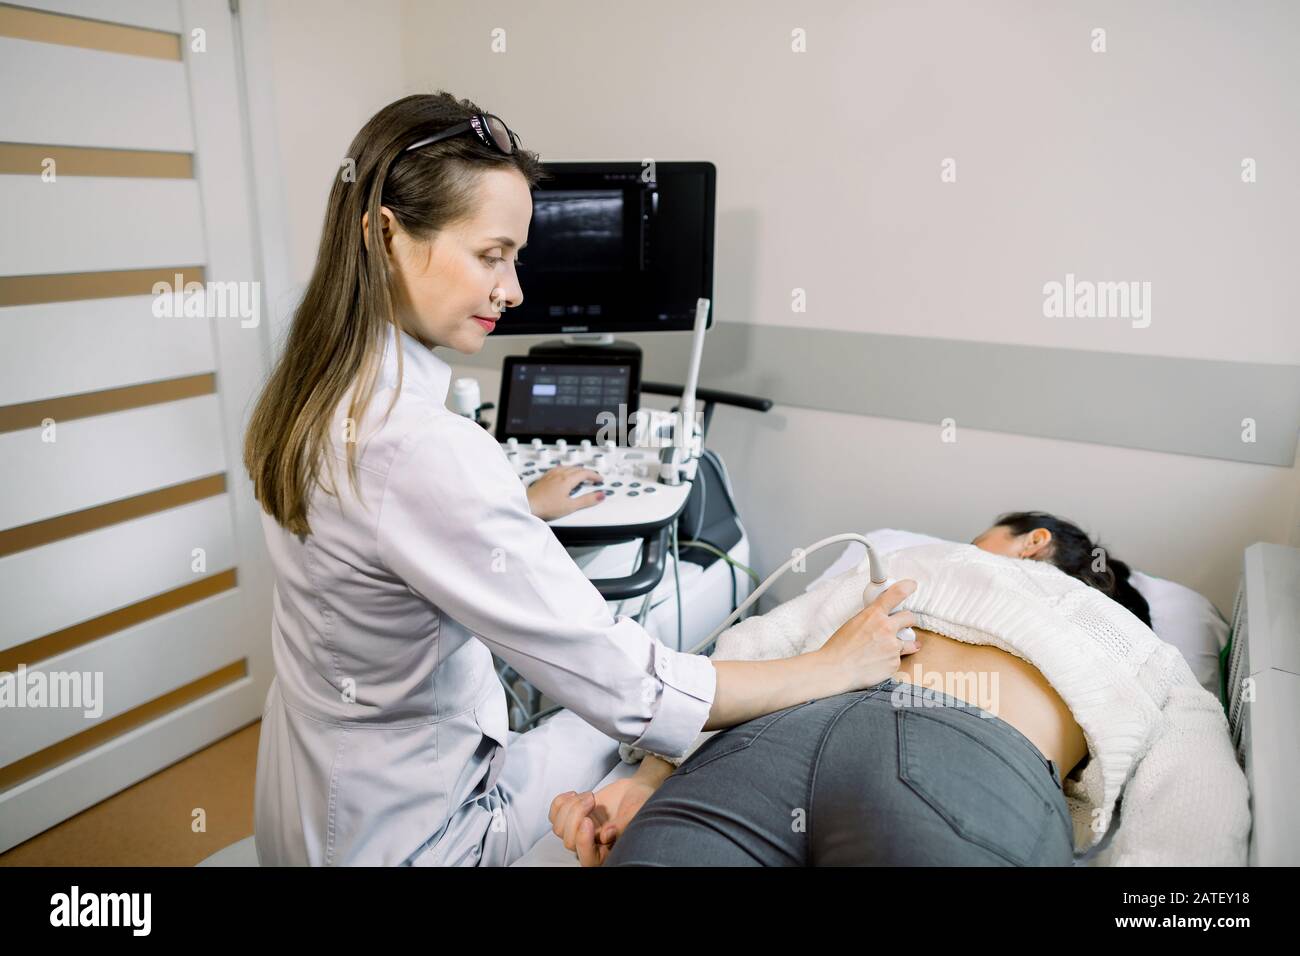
(384, 735)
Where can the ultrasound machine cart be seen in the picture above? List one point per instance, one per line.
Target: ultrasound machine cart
(695, 533)
(625, 247)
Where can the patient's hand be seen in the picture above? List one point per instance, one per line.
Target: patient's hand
(590, 823)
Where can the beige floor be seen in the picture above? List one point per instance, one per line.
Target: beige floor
(150, 823)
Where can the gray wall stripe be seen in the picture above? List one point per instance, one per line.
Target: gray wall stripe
(1180, 405)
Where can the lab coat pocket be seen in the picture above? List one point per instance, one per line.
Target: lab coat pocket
(490, 715)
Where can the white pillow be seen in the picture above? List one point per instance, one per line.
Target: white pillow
(1179, 615)
(1187, 620)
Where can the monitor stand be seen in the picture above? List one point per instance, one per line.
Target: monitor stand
(598, 344)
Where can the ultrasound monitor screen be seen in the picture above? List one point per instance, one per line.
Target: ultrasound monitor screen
(577, 231)
(550, 400)
(616, 247)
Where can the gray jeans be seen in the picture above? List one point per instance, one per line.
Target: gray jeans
(895, 775)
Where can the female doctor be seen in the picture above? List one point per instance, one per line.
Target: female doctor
(384, 734)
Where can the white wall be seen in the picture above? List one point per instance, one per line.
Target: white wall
(335, 63)
(1123, 165)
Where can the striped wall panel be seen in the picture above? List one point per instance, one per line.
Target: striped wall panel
(99, 224)
(65, 348)
(118, 543)
(57, 585)
(161, 15)
(128, 453)
(166, 653)
(40, 793)
(82, 97)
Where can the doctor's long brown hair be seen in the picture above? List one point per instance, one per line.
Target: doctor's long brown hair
(340, 326)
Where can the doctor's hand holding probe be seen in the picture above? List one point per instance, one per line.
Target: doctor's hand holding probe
(384, 737)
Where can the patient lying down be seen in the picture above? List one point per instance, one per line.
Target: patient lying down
(1037, 695)
(1001, 683)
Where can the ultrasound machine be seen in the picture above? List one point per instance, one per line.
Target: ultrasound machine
(625, 247)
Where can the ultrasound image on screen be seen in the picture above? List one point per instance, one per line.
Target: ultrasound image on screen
(577, 231)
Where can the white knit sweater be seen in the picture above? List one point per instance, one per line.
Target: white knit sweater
(1144, 717)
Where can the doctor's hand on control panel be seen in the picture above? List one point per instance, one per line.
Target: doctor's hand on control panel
(549, 497)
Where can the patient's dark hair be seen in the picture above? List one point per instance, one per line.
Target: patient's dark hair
(1071, 551)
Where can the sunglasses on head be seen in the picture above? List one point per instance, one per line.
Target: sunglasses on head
(490, 130)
